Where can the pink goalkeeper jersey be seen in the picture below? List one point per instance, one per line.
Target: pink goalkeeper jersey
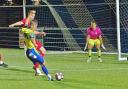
(94, 34)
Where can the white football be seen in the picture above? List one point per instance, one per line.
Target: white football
(59, 76)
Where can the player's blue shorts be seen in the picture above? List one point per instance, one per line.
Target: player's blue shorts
(34, 56)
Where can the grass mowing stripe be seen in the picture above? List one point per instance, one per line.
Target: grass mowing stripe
(90, 69)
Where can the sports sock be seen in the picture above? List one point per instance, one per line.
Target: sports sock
(42, 53)
(38, 71)
(36, 65)
(45, 70)
(1, 62)
(89, 52)
(99, 53)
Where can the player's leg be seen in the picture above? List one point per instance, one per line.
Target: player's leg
(43, 65)
(90, 46)
(29, 54)
(36, 57)
(98, 46)
(37, 70)
(40, 48)
(1, 62)
(42, 51)
(35, 67)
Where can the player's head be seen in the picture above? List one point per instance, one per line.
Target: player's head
(93, 24)
(34, 24)
(31, 14)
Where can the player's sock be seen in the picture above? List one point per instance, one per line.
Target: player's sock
(36, 65)
(38, 72)
(45, 70)
(49, 77)
(1, 62)
(47, 73)
(99, 53)
(89, 52)
(42, 53)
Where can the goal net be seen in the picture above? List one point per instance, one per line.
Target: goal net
(66, 22)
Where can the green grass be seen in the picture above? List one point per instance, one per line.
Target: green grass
(111, 74)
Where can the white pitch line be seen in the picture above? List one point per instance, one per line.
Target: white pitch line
(90, 69)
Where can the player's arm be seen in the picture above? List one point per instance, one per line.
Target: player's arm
(34, 41)
(101, 42)
(32, 36)
(16, 24)
(86, 41)
(88, 36)
(40, 33)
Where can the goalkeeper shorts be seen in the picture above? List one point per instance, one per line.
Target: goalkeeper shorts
(94, 42)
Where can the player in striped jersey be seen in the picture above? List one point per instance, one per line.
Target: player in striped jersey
(31, 51)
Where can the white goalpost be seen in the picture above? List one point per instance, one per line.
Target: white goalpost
(118, 30)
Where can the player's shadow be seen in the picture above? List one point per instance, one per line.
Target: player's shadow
(15, 79)
(19, 70)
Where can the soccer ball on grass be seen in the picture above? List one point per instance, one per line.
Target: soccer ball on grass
(59, 76)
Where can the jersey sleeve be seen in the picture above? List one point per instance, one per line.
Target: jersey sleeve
(88, 31)
(100, 32)
(23, 21)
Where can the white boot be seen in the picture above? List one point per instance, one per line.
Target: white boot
(89, 60)
(100, 60)
(38, 72)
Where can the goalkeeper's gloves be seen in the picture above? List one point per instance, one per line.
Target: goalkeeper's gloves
(103, 47)
(86, 45)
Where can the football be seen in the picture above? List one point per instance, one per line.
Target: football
(59, 76)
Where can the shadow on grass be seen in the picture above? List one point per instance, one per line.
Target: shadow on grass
(19, 70)
(15, 79)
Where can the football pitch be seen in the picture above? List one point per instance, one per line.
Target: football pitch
(78, 74)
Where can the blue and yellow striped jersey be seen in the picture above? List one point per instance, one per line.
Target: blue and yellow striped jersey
(28, 34)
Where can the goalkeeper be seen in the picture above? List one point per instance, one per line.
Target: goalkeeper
(94, 38)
